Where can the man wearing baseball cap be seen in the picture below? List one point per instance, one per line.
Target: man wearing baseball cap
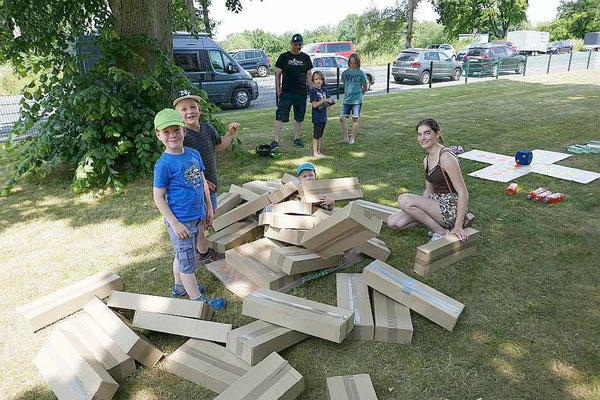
(292, 75)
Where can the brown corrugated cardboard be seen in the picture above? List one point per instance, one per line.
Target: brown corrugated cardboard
(235, 235)
(380, 210)
(271, 379)
(392, 320)
(129, 341)
(159, 304)
(288, 178)
(435, 255)
(287, 221)
(375, 248)
(255, 341)
(350, 387)
(262, 187)
(433, 305)
(303, 315)
(283, 192)
(296, 260)
(339, 189)
(227, 202)
(241, 212)
(291, 207)
(182, 326)
(353, 294)
(70, 299)
(237, 283)
(148, 355)
(71, 371)
(291, 236)
(245, 194)
(347, 228)
(207, 364)
(104, 349)
(321, 214)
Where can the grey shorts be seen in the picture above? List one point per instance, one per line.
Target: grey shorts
(185, 249)
(448, 207)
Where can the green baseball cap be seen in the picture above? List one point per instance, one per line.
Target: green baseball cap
(167, 117)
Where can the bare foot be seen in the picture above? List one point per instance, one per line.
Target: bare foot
(343, 141)
(320, 155)
(351, 141)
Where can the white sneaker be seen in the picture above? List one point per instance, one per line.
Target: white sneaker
(437, 236)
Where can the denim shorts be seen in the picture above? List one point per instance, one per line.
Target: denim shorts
(185, 249)
(353, 109)
(213, 200)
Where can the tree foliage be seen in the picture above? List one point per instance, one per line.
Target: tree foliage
(381, 31)
(579, 17)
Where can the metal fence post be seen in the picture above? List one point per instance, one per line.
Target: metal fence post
(525, 66)
(388, 79)
(499, 68)
(589, 58)
(337, 84)
(570, 59)
(467, 72)
(430, 74)
(549, 60)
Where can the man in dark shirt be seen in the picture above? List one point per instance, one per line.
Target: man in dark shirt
(295, 69)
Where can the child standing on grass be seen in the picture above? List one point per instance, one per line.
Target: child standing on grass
(355, 85)
(320, 100)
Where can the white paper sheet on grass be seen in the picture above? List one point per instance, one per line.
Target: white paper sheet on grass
(567, 173)
(547, 157)
(486, 157)
(501, 172)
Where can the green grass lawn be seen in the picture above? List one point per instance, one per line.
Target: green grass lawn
(531, 325)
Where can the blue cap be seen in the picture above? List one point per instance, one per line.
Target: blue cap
(305, 166)
(297, 38)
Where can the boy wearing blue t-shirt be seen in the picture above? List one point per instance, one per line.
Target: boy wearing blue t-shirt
(320, 100)
(183, 198)
(355, 85)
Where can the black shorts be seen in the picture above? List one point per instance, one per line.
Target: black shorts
(319, 128)
(286, 101)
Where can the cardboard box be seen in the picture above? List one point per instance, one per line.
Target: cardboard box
(104, 349)
(291, 207)
(227, 202)
(235, 235)
(54, 306)
(296, 260)
(375, 248)
(262, 187)
(129, 341)
(347, 228)
(288, 178)
(159, 304)
(150, 354)
(255, 341)
(245, 194)
(321, 214)
(350, 387)
(182, 326)
(433, 305)
(287, 221)
(71, 371)
(252, 261)
(438, 254)
(206, 364)
(235, 282)
(291, 236)
(302, 315)
(272, 378)
(392, 320)
(283, 192)
(241, 212)
(353, 294)
(339, 189)
(380, 210)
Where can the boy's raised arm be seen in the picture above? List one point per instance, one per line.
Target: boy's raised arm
(226, 140)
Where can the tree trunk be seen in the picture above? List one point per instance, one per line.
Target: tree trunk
(412, 4)
(192, 11)
(204, 5)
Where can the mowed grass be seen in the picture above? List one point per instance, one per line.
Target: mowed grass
(530, 328)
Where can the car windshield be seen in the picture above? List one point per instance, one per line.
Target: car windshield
(477, 52)
(407, 57)
(555, 44)
(309, 48)
(433, 46)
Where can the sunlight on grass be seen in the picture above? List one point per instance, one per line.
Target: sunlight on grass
(358, 154)
(507, 369)
(513, 350)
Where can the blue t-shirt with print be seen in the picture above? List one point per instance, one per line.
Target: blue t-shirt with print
(319, 114)
(353, 80)
(181, 175)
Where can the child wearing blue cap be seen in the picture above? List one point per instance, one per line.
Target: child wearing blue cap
(306, 173)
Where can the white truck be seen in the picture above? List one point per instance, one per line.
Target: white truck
(530, 42)
(591, 41)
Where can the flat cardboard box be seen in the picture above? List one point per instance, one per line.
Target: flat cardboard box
(287, 221)
(245, 194)
(375, 248)
(438, 254)
(382, 211)
(71, 371)
(182, 326)
(104, 349)
(255, 341)
(235, 282)
(288, 178)
(241, 212)
(338, 189)
(129, 341)
(291, 207)
(226, 202)
(353, 294)
(350, 387)
(283, 192)
(56, 305)
(206, 364)
(291, 236)
(347, 228)
(392, 320)
(321, 214)
(433, 305)
(271, 379)
(150, 354)
(297, 260)
(235, 235)
(262, 187)
(302, 315)
(159, 304)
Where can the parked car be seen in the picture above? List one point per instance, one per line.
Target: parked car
(415, 64)
(447, 49)
(328, 65)
(591, 41)
(254, 61)
(491, 59)
(560, 46)
(344, 49)
(461, 54)
(506, 43)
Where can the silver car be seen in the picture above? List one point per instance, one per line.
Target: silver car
(415, 64)
(328, 64)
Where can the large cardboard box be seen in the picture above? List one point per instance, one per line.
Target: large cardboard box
(283, 192)
(241, 212)
(291, 207)
(182, 326)
(104, 349)
(433, 305)
(382, 211)
(262, 187)
(302, 315)
(353, 294)
(129, 341)
(438, 254)
(71, 371)
(339, 189)
(347, 228)
(206, 364)
(159, 304)
(235, 235)
(291, 236)
(287, 221)
(226, 202)
(375, 248)
(271, 379)
(237, 283)
(392, 320)
(321, 214)
(296, 260)
(255, 341)
(288, 178)
(245, 194)
(70, 299)
(350, 387)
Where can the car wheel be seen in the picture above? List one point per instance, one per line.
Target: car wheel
(425, 77)
(520, 68)
(397, 79)
(262, 71)
(494, 71)
(456, 74)
(240, 98)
